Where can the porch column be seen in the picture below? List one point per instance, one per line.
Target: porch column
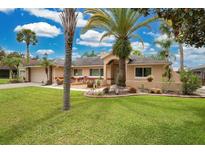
(105, 72)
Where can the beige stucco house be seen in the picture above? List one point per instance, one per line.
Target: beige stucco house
(106, 67)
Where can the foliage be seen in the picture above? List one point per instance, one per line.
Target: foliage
(132, 90)
(187, 23)
(87, 54)
(46, 64)
(136, 53)
(122, 24)
(37, 119)
(12, 62)
(190, 82)
(168, 72)
(29, 37)
(150, 78)
(2, 54)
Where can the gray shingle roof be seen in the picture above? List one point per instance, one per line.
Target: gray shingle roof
(88, 61)
(199, 67)
(6, 68)
(83, 61)
(145, 60)
(92, 61)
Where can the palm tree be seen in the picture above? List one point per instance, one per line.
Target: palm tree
(181, 51)
(166, 55)
(69, 20)
(165, 27)
(46, 64)
(122, 24)
(29, 37)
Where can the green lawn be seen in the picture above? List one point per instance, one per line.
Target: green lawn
(4, 81)
(34, 116)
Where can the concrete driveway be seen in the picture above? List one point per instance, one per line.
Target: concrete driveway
(19, 85)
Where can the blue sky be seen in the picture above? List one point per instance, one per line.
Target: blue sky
(46, 24)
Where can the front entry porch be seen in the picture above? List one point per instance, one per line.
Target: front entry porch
(112, 70)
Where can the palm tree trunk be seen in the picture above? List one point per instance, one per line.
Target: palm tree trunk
(46, 70)
(181, 57)
(122, 72)
(27, 54)
(67, 71)
(10, 73)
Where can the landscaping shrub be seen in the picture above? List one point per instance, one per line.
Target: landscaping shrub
(150, 78)
(59, 81)
(90, 84)
(155, 91)
(98, 82)
(132, 90)
(106, 90)
(190, 82)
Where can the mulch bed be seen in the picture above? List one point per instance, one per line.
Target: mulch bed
(142, 94)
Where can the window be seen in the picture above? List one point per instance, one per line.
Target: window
(143, 72)
(78, 72)
(96, 72)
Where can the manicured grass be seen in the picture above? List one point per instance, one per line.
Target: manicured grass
(4, 81)
(34, 116)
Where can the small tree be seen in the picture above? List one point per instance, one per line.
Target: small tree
(190, 82)
(46, 64)
(9, 61)
(2, 54)
(137, 53)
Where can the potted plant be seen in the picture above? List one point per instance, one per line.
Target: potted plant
(150, 78)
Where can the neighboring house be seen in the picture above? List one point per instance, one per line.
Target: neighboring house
(200, 71)
(4, 71)
(106, 67)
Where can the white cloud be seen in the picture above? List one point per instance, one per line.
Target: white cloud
(6, 10)
(45, 51)
(54, 15)
(92, 38)
(44, 13)
(41, 29)
(161, 37)
(192, 57)
(139, 46)
(75, 55)
(152, 34)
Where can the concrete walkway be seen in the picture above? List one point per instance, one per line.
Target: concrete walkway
(19, 85)
(61, 87)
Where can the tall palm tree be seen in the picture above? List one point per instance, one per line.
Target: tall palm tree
(46, 64)
(122, 24)
(165, 27)
(69, 20)
(29, 37)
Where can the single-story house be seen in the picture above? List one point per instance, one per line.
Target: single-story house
(200, 71)
(106, 67)
(4, 71)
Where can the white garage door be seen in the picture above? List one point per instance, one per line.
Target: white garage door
(38, 75)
